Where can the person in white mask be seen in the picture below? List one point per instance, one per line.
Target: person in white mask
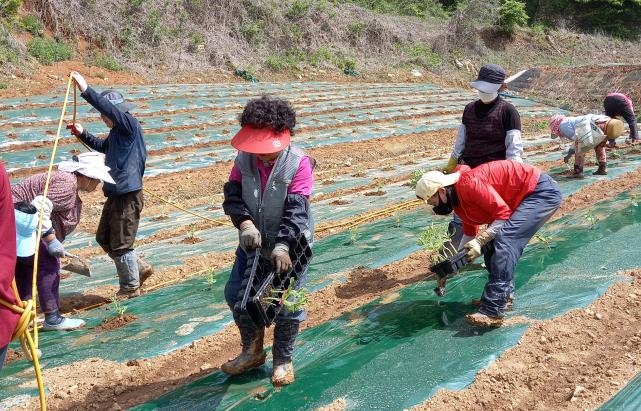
(490, 130)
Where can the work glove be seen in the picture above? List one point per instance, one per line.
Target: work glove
(451, 165)
(280, 258)
(473, 247)
(55, 248)
(80, 81)
(249, 235)
(76, 129)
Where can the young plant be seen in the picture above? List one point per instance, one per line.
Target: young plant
(591, 218)
(117, 306)
(415, 176)
(291, 298)
(437, 239)
(634, 198)
(211, 278)
(546, 240)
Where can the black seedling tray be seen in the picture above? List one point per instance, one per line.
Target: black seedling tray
(262, 289)
(451, 266)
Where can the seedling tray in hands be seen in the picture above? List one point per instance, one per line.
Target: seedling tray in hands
(262, 290)
(450, 266)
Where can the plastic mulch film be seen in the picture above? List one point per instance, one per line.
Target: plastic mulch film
(397, 110)
(174, 316)
(629, 398)
(400, 349)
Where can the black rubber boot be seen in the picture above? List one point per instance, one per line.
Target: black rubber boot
(576, 173)
(602, 170)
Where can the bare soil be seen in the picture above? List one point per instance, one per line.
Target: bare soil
(544, 371)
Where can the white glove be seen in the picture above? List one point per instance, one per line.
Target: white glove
(473, 249)
(280, 258)
(80, 81)
(249, 236)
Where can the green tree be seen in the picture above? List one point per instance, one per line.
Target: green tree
(511, 15)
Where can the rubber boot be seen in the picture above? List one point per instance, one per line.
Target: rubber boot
(127, 268)
(285, 333)
(602, 170)
(569, 155)
(145, 270)
(253, 354)
(576, 173)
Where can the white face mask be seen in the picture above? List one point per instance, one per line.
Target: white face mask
(488, 97)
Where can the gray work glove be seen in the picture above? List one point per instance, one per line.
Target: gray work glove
(280, 258)
(55, 248)
(249, 235)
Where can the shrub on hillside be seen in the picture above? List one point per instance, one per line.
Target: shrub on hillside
(32, 24)
(511, 15)
(9, 8)
(48, 51)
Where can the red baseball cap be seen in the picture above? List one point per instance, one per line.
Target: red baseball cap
(260, 140)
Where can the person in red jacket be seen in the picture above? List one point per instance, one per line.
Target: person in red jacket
(513, 199)
(8, 318)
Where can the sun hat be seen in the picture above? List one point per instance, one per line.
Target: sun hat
(431, 181)
(26, 224)
(116, 98)
(91, 164)
(555, 125)
(260, 140)
(490, 78)
(614, 128)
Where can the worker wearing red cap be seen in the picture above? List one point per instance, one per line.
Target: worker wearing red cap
(267, 198)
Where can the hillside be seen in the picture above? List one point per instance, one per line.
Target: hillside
(191, 41)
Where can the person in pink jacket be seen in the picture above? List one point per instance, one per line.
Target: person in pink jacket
(8, 318)
(513, 199)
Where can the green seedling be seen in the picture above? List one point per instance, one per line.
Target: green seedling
(415, 176)
(353, 236)
(436, 239)
(292, 299)
(546, 240)
(397, 220)
(117, 306)
(634, 198)
(211, 278)
(591, 218)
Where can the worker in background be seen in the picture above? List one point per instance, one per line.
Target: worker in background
(586, 132)
(619, 105)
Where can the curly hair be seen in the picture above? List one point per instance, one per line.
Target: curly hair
(267, 111)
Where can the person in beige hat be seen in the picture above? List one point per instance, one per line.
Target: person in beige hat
(586, 132)
(513, 199)
(62, 209)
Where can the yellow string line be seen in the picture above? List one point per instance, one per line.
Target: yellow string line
(217, 221)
